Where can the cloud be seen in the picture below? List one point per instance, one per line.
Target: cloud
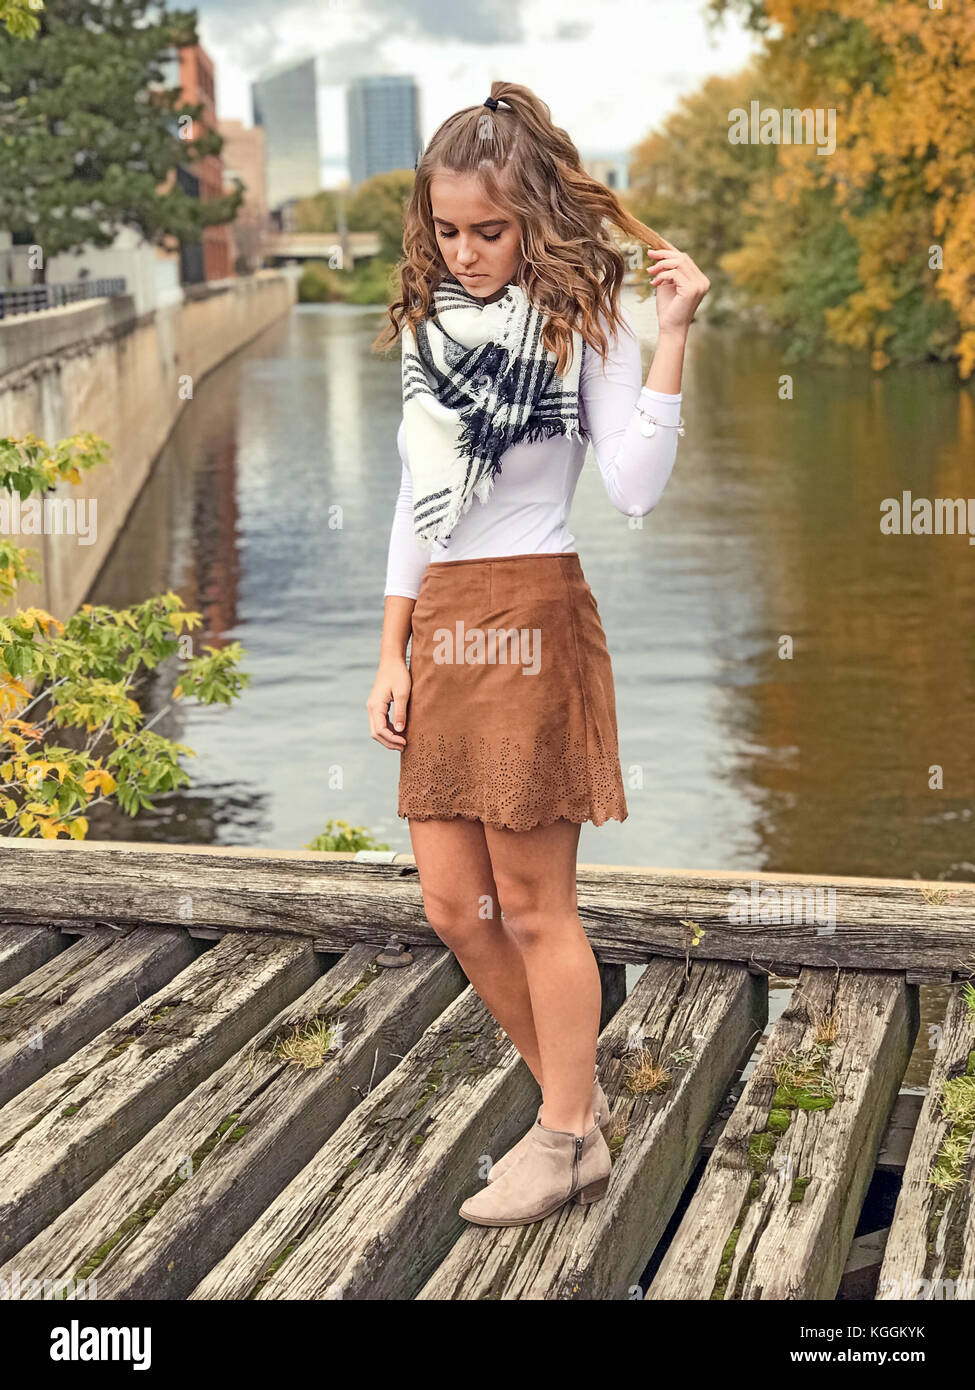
(571, 31)
(472, 21)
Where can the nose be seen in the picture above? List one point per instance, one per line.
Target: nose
(466, 254)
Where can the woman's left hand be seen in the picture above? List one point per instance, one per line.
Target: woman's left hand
(680, 287)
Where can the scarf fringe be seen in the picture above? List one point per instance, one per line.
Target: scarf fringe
(483, 488)
(570, 428)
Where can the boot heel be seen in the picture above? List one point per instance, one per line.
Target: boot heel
(593, 1192)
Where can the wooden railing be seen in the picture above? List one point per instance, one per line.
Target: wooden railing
(769, 922)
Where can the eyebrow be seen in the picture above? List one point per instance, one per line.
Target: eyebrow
(491, 222)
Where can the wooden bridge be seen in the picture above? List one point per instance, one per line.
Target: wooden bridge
(220, 1080)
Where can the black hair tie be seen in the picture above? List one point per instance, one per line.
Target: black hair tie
(492, 102)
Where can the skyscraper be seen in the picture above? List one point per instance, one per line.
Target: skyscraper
(286, 106)
(384, 125)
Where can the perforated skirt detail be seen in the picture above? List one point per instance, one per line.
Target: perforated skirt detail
(512, 713)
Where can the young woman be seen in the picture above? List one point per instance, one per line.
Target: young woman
(516, 354)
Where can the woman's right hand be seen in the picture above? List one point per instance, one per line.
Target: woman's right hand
(393, 682)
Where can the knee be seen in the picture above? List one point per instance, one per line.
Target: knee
(525, 915)
(458, 920)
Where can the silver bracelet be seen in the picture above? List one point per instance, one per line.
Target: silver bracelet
(649, 423)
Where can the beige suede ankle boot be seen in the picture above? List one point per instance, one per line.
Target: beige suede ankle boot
(554, 1167)
(600, 1110)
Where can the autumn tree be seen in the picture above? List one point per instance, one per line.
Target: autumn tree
(870, 247)
(378, 205)
(688, 180)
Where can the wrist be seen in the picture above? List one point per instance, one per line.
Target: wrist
(678, 334)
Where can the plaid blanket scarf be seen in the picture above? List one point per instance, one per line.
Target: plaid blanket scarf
(476, 380)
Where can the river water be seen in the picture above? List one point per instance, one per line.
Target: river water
(786, 675)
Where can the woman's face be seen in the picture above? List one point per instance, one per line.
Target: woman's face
(479, 241)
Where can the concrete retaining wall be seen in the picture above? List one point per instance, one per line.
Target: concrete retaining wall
(96, 366)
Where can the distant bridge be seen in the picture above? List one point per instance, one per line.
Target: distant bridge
(282, 247)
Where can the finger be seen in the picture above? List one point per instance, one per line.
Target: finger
(394, 742)
(380, 732)
(388, 735)
(400, 701)
(392, 738)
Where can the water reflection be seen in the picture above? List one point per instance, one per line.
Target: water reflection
(269, 510)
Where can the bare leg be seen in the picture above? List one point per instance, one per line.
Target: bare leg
(535, 877)
(461, 904)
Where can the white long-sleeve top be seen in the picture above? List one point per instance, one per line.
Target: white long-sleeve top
(527, 511)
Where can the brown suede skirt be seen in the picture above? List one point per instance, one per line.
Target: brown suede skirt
(512, 712)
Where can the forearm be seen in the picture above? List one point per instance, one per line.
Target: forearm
(668, 362)
(397, 621)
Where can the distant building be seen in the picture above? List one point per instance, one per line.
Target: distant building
(212, 257)
(383, 126)
(286, 108)
(613, 170)
(244, 159)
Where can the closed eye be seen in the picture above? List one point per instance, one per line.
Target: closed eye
(447, 235)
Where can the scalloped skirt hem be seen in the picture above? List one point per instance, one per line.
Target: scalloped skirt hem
(512, 715)
(591, 817)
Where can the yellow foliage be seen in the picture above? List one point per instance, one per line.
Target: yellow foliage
(97, 778)
(30, 730)
(907, 134)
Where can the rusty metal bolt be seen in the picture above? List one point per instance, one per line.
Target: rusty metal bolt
(394, 954)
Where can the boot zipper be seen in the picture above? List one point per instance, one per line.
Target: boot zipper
(575, 1162)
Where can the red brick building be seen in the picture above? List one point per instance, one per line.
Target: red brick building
(196, 80)
(244, 158)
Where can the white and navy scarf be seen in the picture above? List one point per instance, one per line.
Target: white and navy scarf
(476, 380)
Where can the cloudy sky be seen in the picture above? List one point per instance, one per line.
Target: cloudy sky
(609, 69)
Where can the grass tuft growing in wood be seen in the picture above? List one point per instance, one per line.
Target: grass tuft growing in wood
(643, 1076)
(309, 1043)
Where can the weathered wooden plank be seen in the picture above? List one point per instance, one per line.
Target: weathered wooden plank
(373, 1212)
(699, 1029)
(931, 1248)
(629, 915)
(65, 1002)
(23, 949)
(774, 1214)
(63, 1132)
(173, 1205)
(894, 1146)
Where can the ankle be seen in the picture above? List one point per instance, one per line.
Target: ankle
(567, 1122)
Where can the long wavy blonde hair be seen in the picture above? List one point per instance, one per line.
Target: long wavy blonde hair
(571, 268)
